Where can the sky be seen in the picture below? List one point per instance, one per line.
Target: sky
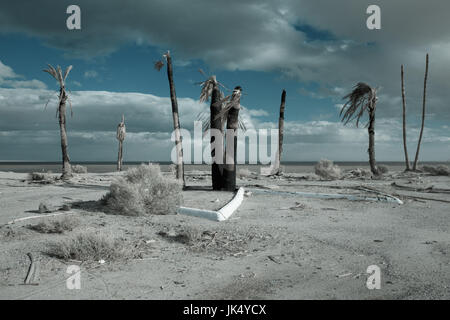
(315, 50)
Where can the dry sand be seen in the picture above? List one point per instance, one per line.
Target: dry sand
(274, 247)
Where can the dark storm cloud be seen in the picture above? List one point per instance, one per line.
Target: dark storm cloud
(266, 36)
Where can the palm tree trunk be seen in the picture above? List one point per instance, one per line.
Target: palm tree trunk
(280, 131)
(371, 129)
(229, 168)
(66, 168)
(176, 120)
(216, 140)
(404, 122)
(119, 158)
(423, 115)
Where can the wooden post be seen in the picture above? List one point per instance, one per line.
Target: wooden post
(280, 132)
(405, 148)
(121, 132)
(423, 114)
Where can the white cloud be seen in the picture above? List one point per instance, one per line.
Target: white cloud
(8, 78)
(90, 74)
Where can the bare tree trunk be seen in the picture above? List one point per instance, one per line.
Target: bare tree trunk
(176, 120)
(423, 114)
(119, 158)
(216, 141)
(229, 170)
(280, 131)
(404, 122)
(121, 132)
(371, 129)
(66, 168)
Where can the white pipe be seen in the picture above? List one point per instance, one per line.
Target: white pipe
(221, 215)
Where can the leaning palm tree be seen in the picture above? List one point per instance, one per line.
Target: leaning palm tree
(362, 99)
(63, 97)
(175, 116)
(121, 132)
(423, 113)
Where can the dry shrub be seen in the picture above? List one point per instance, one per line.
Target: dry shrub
(55, 226)
(382, 169)
(41, 177)
(143, 191)
(245, 173)
(440, 170)
(79, 169)
(87, 246)
(327, 169)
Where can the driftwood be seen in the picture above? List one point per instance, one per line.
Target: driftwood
(430, 189)
(351, 197)
(37, 216)
(33, 271)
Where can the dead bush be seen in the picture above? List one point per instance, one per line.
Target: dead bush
(440, 170)
(382, 169)
(79, 169)
(143, 191)
(55, 225)
(245, 173)
(41, 177)
(87, 246)
(327, 169)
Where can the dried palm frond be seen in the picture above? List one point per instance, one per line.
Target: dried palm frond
(204, 118)
(361, 99)
(159, 64)
(67, 72)
(52, 71)
(229, 102)
(207, 88)
(58, 75)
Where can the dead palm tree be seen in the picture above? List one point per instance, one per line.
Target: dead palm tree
(214, 120)
(404, 121)
(63, 97)
(231, 111)
(277, 169)
(362, 99)
(210, 88)
(121, 132)
(423, 113)
(175, 116)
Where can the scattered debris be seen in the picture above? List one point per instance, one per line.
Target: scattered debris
(43, 208)
(36, 217)
(430, 189)
(33, 271)
(272, 258)
(344, 275)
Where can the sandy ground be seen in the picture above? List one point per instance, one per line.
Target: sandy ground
(276, 246)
